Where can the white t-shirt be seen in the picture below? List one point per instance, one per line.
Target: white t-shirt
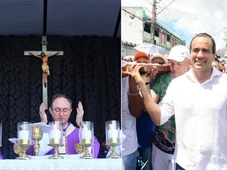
(201, 120)
(129, 135)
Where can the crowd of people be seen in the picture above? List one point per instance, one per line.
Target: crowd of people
(178, 117)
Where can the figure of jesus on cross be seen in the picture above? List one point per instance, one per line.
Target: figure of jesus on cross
(45, 66)
(44, 56)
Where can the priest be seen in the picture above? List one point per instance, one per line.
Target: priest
(60, 110)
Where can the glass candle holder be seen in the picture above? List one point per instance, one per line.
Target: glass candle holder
(86, 133)
(56, 132)
(23, 139)
(112, 129)
(23, 133)
(56, 138)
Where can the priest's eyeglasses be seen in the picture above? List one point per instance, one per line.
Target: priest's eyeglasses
(58, 110)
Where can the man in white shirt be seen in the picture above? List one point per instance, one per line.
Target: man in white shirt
(199, 101)
(164, 136)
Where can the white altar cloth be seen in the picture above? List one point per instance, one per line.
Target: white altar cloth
(70, 162)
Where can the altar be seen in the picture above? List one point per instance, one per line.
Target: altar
(70, 162)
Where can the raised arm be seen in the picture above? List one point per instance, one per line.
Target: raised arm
(42, 113)
(80, 113)
(154, 95)
(135, 99)
(153, 108)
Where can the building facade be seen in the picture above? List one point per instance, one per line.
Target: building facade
(136, 28)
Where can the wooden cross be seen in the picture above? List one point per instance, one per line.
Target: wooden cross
(44, 55)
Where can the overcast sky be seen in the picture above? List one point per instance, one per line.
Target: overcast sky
(185, 18)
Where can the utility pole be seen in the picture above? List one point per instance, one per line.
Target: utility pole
(153, 23)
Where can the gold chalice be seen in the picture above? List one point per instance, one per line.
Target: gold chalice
(37, 135)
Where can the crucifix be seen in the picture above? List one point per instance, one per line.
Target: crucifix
(44, 55)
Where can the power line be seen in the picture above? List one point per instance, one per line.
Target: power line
(198, 15)
(179, 31)
(171, 28)
(166, 7)
(177, 34)
(174, 22)
(134, 15)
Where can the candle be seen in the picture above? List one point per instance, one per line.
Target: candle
(55, 134)
(23, 134)
(112, 133)
(86, 134)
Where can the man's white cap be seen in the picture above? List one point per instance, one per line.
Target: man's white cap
(179, 53)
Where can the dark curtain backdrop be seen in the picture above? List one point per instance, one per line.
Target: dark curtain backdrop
(89, 71)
